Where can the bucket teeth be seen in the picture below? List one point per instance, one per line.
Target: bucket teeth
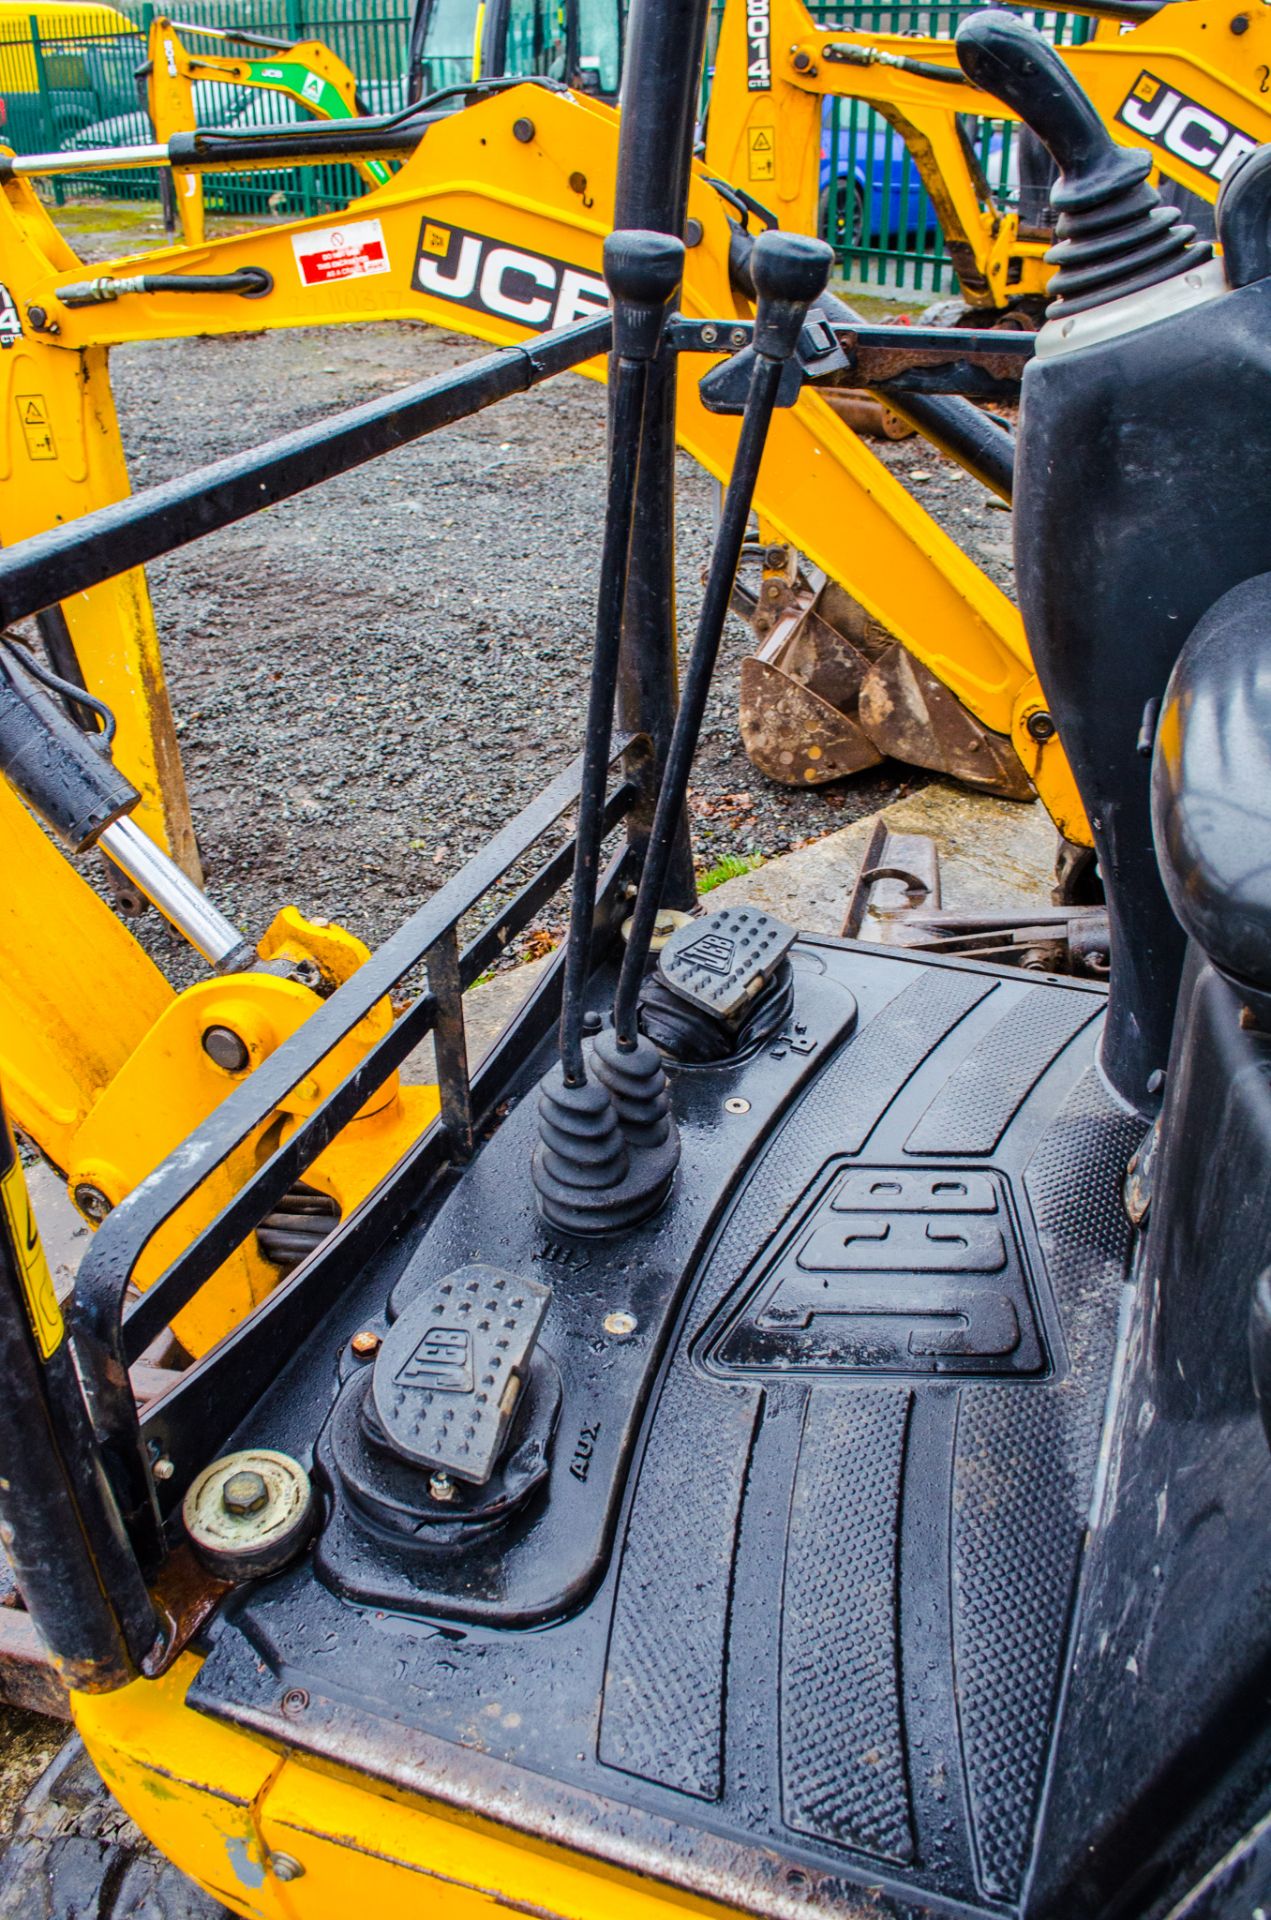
(828, 693)
(912, 716)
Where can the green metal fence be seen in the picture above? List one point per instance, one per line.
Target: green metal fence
(80, 87)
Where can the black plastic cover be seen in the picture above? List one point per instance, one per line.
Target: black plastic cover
(1211, 784)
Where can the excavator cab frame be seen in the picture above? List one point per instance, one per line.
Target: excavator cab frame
(578, 43)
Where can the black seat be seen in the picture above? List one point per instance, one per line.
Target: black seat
(1211, 784)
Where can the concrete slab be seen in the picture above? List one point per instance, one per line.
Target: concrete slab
(992, 853)
(64, 1233)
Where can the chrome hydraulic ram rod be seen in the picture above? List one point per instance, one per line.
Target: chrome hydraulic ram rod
(178, 899)
(790, 270)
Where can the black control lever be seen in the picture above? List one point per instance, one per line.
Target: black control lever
(607, 1147)
(642, 271)
(1115, 237)
(789, 272)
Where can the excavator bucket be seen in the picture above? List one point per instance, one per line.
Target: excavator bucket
(828, 692)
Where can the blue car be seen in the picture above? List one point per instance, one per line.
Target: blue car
(871, 194)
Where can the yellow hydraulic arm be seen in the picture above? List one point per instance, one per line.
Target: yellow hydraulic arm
(1190, 84)
(494, 225)
(306, 72)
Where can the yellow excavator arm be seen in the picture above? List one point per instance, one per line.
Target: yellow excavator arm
(1189, 83)
(494, 226)
(306, 72)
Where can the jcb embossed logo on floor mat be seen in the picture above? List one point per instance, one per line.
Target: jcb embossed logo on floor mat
(1168, 119)
(475, 270)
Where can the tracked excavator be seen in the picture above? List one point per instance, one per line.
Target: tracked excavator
(792, 1437)
(827, 691)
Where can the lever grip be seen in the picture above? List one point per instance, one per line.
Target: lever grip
(789, 271)
(642, 271)
(1006, 57)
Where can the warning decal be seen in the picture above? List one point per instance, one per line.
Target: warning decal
(33, 1269)
(33, 416)
(348, 252)
(761, 153)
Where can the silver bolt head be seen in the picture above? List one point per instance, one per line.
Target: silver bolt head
(225, 1049)
(284, 1866)
(441, 1487)
(244, 1492)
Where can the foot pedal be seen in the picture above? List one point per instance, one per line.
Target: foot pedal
(722, 963)
(448, 1377)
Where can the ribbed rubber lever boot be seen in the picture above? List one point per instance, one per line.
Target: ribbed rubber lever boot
(1114, 235)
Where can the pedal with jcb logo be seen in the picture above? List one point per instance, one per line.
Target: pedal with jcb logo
(722, 962)
(448, 1378)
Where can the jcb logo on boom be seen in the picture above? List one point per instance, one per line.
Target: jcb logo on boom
(1168, 119)
(759, 40)
(474, 270)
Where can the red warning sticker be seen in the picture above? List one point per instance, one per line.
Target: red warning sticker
(348, 252)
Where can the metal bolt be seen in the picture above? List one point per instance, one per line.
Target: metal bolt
(693, 234)
(37, 316)
(365, 1343)
(441, 1487)
(802, 61)
(709, 336)
(225, 1048)
(737, 337)
(244, 1493)
(91, 1201)
(284, 1866)
(621, 1323)
(1040, 726)
(295, 1700)
(523, 130)
(737, 1105)
(163, 1468)
(1240, 24)
(592, 1022)
(578, 182)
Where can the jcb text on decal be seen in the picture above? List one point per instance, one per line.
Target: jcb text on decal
(1168, 119)
(474, 270)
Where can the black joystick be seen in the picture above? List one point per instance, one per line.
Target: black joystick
(790, 271)
(608, 1147)
(1114, 235)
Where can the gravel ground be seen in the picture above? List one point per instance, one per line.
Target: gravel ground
(369, 678)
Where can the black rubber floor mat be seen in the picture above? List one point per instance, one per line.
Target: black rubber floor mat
(821, 1656)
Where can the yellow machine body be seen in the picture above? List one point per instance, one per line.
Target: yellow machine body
(1190, 84)
(241, 1817)
(18, 69)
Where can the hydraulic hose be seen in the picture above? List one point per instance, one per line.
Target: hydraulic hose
(250, 282)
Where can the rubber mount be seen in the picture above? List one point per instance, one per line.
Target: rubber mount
(608, 1149)
(448, 1378)
(250, 1513)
